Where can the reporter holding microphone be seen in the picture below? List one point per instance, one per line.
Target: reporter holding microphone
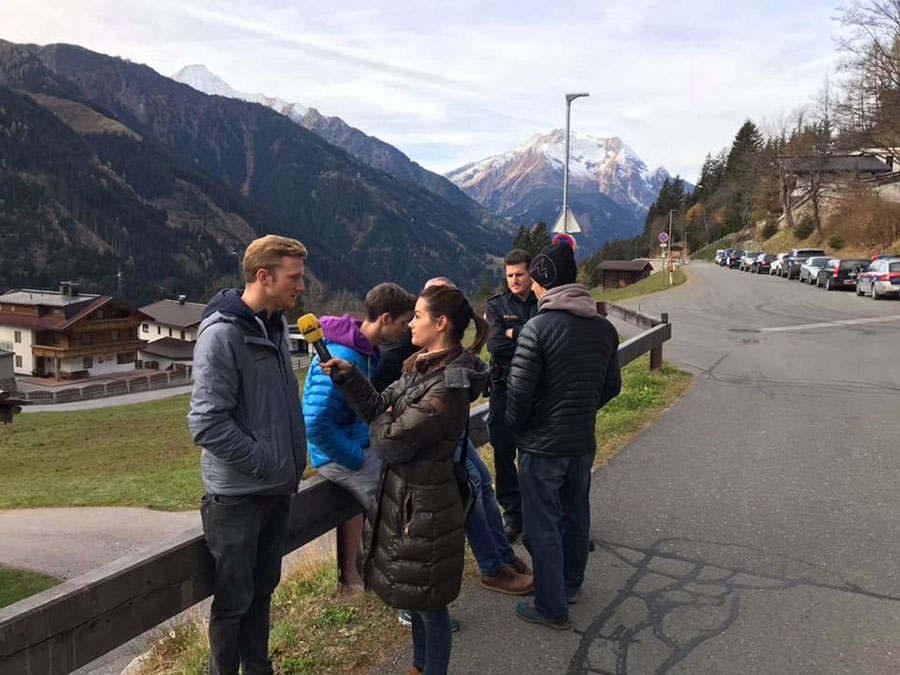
(415, 559)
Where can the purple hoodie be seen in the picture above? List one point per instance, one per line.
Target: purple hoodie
(344, 330)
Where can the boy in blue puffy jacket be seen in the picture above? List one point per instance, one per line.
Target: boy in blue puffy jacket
(337, 439)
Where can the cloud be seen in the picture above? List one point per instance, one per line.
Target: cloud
(453, 82)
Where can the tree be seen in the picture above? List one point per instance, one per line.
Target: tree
(870, 107)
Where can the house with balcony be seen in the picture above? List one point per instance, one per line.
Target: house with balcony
(68, 334)
(176, 319)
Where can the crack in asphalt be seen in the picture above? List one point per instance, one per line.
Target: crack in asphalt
(644, 614)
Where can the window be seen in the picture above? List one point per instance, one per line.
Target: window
(85, 339)
(159, 330)
(18, 337)
(145, 328)
(170, 332)
(182, 335)
(115, 335)
(87, 363)
(18, 361)
(124, 357)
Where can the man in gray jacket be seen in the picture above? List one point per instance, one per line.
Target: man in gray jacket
(245, 414)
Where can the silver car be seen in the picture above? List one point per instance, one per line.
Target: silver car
(777, 264)
(810, 269)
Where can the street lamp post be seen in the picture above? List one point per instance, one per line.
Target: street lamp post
(669, 250)
(565, 213)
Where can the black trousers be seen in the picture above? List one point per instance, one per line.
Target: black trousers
(503, 441)
(244, 535)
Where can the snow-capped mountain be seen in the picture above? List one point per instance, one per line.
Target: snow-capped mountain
(368, 149)
(604, 165)
(610, 187)
(202, 79)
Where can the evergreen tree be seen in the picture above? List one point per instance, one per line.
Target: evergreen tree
(540, 238)
(522, 239)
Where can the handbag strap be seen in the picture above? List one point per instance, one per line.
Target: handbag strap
(464, 454)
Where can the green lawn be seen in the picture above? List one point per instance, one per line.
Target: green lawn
(134, 455)
(16, 584)
(652, 284)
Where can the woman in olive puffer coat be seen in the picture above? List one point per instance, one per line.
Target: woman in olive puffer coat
(416, 555)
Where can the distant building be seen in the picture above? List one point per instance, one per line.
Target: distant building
(619, 273)
(172, 319)
(69, 334)
(836, 168)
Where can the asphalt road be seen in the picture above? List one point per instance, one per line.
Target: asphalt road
(755, 528)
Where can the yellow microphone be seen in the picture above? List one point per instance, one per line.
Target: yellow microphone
(311, 331)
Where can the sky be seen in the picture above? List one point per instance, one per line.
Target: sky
(454, 82)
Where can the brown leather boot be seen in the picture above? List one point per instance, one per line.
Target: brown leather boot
(413, 671)
(520, 566)
(508, 581)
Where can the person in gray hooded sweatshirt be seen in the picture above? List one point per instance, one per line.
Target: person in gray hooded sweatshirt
(564, 369)
(245, 414)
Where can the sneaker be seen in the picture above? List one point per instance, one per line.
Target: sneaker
(527, 612)
(508, 581)
(574, 598)
(520, 566)
(405, 619)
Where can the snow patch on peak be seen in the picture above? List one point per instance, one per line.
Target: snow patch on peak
(204, 80)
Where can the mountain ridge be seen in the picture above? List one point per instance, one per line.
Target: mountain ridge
(361, 225)
(367, 148)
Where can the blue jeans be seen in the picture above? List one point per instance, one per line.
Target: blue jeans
(431, 641)
(484, 525)
(556, 514)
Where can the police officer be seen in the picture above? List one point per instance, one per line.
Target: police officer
(507, 313)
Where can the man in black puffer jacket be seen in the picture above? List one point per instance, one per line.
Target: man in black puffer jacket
(565, 368)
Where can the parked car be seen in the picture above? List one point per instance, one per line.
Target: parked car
(723, 261)
(775, 267)
(762, 263)
(811, 267)
(719, 255)
(790, 268)
(734, 258)
(840, 273)
(880, 278)
(747, 260)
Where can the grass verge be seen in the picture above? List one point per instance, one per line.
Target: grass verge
(16, 584)
(315, 629)
(653, 284)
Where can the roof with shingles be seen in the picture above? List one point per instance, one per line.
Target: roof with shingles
(175, 313)
(624, 265)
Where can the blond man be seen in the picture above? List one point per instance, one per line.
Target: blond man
(245, 414)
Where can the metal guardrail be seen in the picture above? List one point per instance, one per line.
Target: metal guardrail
(68, 626)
